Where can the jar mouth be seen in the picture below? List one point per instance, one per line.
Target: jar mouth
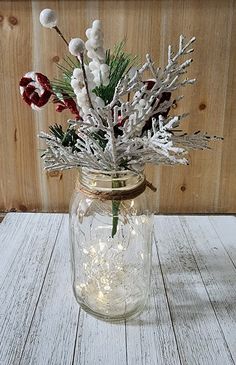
(110, 172)
(99, 180)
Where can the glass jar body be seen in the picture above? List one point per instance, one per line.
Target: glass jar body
(110, 245)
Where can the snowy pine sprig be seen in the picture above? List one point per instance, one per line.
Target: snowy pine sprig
(121, 118)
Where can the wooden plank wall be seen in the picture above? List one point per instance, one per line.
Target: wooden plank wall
(209, 183)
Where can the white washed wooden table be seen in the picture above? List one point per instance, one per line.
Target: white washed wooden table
(190, 318)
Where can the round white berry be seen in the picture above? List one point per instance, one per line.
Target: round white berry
(97, 24)
(94, 65)
(105, 81)
(78, 74)
(96, 34)
(76, 46)
(104, 68)
(91, 54)
(88, 32)
(95, 43)
(88, 45)
(100, 53)
(48, 18)
(75, 84)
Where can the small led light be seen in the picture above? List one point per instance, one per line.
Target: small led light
(107, 287)
(100, 294)
(102, 245)
(144, 220)
(85, 251)
(133, 232)
(120, 247)
(92, 250)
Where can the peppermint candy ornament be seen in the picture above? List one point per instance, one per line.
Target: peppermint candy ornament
(35, 89)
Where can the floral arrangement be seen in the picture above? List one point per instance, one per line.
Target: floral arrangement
(120, 119)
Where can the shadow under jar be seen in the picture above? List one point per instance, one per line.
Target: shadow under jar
(111, 237)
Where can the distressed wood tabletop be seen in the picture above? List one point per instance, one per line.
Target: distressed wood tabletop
(190, 317)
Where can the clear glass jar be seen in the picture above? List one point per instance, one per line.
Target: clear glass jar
(110, 244)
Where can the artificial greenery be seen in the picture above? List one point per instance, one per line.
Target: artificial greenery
(68, 138)
(63, 86)
(119, 62)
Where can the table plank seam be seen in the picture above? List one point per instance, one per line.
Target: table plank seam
(40, 292)
(222, 243)
(11, 265)
(167, 299)
(76, 334)
(126, 344)
(208, 295)
(79, 338)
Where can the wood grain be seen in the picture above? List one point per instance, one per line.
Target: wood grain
(23, 277)
(151, 337)
(53, 329)
(225, 228)
(217, 272)
(99, 342)
(208, 184)
(189, 303)
(189, 319)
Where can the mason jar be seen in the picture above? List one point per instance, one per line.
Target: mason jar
(111, 238)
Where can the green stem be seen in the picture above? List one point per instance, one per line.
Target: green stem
(115, 208)
(115, 216)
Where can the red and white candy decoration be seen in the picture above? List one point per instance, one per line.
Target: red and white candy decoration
(35, 89)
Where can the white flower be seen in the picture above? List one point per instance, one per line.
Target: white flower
(48, 18)
(76, 46)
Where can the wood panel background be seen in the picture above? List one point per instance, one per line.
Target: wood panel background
(209, 183)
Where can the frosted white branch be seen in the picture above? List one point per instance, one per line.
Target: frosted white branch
(122, 125)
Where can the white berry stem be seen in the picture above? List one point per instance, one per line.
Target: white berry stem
(81, 59)
(60, 34)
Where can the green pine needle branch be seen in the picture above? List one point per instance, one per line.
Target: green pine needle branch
(119, 61)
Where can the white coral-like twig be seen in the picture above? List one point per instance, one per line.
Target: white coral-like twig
(133, 146)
